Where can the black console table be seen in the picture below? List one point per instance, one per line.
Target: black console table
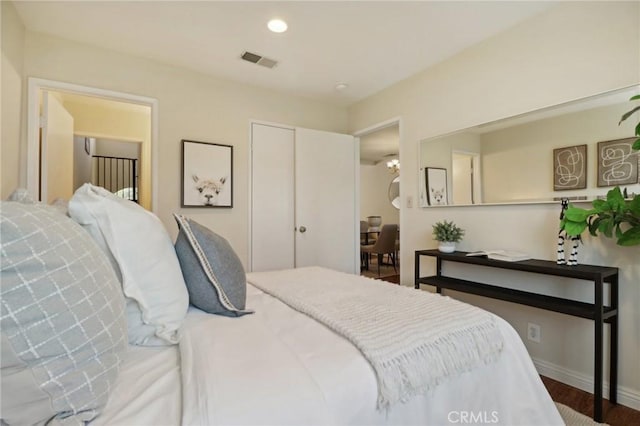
(596, 311)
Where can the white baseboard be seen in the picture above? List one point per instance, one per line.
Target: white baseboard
(626, 396)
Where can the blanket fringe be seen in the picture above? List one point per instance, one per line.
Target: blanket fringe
(409, 375)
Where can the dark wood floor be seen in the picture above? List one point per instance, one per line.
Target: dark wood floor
(582, 402)
(392, 279)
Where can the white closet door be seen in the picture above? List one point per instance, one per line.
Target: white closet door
(272, 199)
(325, 200)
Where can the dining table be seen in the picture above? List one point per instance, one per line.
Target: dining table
(364, 240)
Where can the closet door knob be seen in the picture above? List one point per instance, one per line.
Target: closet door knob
(303, 229)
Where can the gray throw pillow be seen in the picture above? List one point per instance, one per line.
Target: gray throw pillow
(214, 275)
(62, 318)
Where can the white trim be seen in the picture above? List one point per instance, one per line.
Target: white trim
(250, 200)
(96, 135)
(272, 124)
(379, 126)
(34, 86)
(626, 396)
(356, 200)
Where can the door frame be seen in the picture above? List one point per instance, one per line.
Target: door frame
(35, 85)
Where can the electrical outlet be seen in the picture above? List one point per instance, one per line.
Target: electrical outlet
(533, 332)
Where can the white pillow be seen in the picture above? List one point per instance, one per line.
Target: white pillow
(143, 254)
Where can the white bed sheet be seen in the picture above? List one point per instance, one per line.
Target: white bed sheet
(280, 367)
(147, 391)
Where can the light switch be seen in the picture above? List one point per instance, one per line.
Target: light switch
(409, 202)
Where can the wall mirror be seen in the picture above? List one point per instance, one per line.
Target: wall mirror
(394, 192)
(574, 150)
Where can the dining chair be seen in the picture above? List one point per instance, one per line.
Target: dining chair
(385, 244)
(364, 227)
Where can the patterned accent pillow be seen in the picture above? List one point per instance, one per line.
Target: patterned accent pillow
(214, 275)
(62, 318)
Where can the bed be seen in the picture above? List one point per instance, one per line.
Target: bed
(264, 357)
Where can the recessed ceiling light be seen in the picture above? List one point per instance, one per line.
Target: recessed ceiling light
(341, 86)
(277, 25)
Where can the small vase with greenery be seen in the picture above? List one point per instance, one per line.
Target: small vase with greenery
(617, 215)
(448, 234)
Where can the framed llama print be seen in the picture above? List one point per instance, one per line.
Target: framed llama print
(570, 168)
(617, 162)
(436, 182)
(207, 174)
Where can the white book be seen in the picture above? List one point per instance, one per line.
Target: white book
(504, 255)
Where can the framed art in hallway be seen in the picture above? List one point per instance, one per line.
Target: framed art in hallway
(207, 174)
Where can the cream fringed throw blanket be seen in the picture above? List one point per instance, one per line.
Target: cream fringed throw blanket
(413, 339)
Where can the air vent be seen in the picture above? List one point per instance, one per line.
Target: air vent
(251, 57)
(257, 59)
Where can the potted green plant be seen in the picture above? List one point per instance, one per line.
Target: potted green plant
(616, 216)
(448, 234)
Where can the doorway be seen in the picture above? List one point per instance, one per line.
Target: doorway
(94, 113)
(465, 178)
(380, 202)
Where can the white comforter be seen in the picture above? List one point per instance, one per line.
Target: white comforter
(280, 367)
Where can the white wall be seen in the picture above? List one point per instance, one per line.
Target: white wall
(191, 106)
(574, 50)
(11, 88)
(374, 189)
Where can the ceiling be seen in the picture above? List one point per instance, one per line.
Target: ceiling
(381, 145)
(97, 102)
(369, 45)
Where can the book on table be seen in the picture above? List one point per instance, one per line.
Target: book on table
(504, 255)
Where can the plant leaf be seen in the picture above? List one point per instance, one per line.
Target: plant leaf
(594, 224)
(600, 205)
(628, 114)
(606, 227)
(630, 237)
(634, 206)
(636, 145)
(618, 230)
(576, 214)
(634, 97)
(574, 228)
(615, 199)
